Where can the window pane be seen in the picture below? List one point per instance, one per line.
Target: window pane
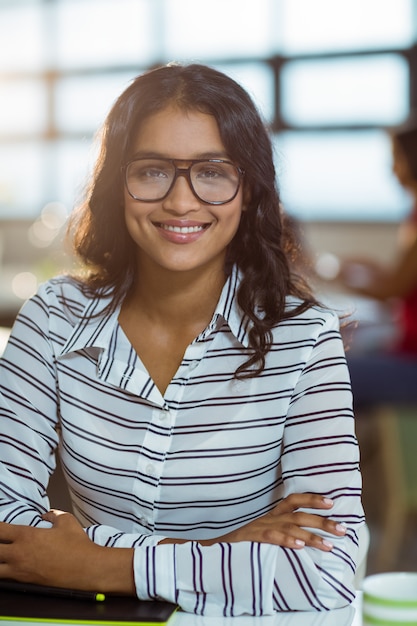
(103, 32)
(334, 176)
(217, 28)
(21, 179)
(23, 107)
(258, 80)
(319, 25)
(366, 89)
(74, 160)
(21, 46)
(82, 103)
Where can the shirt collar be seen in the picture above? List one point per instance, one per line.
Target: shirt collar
(228, 310)
(97, 327)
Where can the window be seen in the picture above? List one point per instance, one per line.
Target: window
(328, 77)
(338, 175)
(23, 107)
(103, 33)
(372, 89)
(345, 26)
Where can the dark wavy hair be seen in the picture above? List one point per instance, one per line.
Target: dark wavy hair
(260, 248)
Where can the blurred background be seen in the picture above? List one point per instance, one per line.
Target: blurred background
(329, 77)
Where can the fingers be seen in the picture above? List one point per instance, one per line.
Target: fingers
(306, 537)
(292, 536)
(53, 514)
(302, 501)
(63, 520)
(296, 527)
(319, 522)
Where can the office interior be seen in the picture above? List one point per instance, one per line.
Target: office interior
(329, 78)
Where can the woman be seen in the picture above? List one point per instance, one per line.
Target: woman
(197, 394)
(387, 373)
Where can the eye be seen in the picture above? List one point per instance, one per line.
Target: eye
(149, 171)
(210, 171)
(153, 172)
(216, 173)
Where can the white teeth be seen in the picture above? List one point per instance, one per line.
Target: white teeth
(182, 229)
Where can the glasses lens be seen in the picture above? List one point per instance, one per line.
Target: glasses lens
(215, 181)
(149, 179)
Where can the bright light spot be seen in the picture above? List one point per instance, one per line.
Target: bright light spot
(54, 215)
(327, 266)
(24, 285)
(42, 232)
(40, 236)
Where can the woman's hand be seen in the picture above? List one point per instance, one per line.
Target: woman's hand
(63, 556)
(287, 526)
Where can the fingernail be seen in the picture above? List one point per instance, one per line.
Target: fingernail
(300, 543)
(328, 501)
(327, 543)
(341, 528)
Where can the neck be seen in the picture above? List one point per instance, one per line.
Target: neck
(178, 297)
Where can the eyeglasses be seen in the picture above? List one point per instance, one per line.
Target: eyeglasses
(213, 181)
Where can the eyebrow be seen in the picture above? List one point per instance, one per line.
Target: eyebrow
(157, 155)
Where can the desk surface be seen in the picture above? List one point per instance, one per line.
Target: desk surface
(349, 616)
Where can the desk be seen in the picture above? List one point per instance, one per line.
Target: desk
(349, 616)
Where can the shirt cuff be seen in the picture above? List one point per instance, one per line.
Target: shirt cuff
(222, 579)
(154, 572)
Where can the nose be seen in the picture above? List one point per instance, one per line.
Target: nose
(181, 198)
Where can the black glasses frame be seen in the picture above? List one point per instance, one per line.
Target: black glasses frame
(184, 171)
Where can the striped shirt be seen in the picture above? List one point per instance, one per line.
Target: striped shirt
(210, 455)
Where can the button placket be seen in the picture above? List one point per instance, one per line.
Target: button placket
(157, 440)
(150, 468)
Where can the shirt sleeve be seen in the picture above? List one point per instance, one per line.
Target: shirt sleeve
(29, 422)
(28, 418)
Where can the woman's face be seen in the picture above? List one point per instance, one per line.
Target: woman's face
(181, 233)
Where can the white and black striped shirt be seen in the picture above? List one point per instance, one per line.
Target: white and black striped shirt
(208, 457)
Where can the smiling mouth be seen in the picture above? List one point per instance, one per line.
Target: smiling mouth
(184, 230)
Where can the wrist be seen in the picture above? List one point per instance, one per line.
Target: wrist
(113, 569)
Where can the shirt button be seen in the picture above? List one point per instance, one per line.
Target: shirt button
(193, 365)
(150, 469)
(163, 415)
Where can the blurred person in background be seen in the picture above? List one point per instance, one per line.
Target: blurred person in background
(388, 372)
